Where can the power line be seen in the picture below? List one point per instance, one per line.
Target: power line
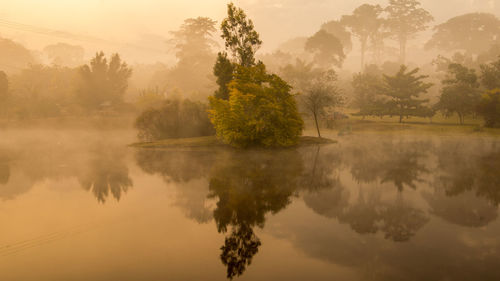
(70, 36)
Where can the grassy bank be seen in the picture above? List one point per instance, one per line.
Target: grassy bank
(213, 142)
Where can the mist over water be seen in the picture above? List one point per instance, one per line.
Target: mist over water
(381, 207)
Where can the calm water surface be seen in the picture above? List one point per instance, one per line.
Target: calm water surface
(83, 206)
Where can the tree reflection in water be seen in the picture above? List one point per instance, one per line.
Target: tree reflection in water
(248, 185)
(105, 173)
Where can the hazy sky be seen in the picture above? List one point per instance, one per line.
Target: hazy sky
(145, 23)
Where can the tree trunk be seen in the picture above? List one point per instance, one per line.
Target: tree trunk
(402, 50)
(363, 52)
(317, 125)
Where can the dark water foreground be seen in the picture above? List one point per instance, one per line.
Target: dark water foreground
(82, 206)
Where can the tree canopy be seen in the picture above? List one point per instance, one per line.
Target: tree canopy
(403, 90)
(338, 29)
(405, 19)
(460, 93)
(239, 35)
(474, 33)
(365, 23)
(327, 49)
(103, 82)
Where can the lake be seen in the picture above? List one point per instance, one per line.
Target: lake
(79, 205)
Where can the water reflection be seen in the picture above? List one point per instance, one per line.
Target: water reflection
(106, 174)
(381, 188)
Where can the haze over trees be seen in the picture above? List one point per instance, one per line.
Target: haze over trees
(63, 54)
(103, 83)
(406, 19)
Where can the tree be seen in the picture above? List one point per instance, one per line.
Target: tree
(337, 29)
(405, 19)
(103, 82)
(239, 35)
(490, 75)
(223, 70)
(327, 49)
(460, 93)
(365, 23)
(4, 87)
(260, 110)
(474, 33)
(403, 89)
(64, 54)
(366, 87)
(321, 94)
(489, 108)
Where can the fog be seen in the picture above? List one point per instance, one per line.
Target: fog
(253, 140)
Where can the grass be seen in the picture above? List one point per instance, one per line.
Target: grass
(213, 142)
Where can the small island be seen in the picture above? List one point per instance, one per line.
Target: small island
(213, 142)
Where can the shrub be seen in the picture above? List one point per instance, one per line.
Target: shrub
(174, 119)
(489, 108)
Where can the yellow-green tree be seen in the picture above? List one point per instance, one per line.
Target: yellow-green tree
(260, 110)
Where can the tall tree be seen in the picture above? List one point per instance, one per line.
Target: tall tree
(103, 81)
(239, 35)
(327, 49)
(194, 49)
(403, 90)
(338, 29)
(405, 19)
(365, 23)
(474, 33)
(460, 93)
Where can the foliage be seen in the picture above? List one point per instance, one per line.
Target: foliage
(239, 35)
(4, 87)
(327, 49)
(365, 23)
(103, 82)
(405, 19)
(474, 33)
(260, 110)
(366, 87)
(301, 74)
(338, 29)
(460, 93)
(149, 98)
(403, 89)
(223, 70)
(490, 75)
(489, 108)
(174, 119)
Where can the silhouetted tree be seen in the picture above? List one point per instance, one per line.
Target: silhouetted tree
(103, 82)
(460, 93)
(193, 44)
(474, 33)
(14, 56)
(365, 23)
(327, 49)
(405, 19)
(338, 29)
